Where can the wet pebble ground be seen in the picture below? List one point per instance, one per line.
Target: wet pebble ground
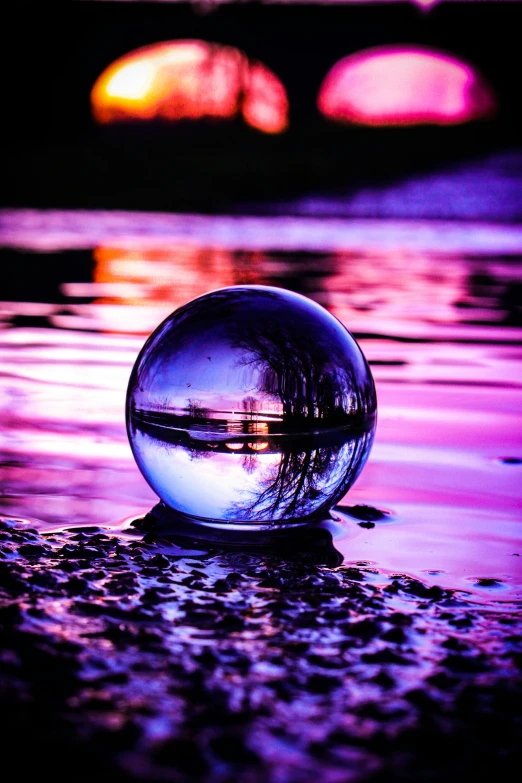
(130, 656)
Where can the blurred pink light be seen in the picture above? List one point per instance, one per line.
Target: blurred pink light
(404, 86)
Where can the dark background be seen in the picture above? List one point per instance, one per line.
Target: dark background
(56, 156)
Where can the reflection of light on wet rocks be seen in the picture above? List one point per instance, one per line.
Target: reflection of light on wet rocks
(134, 658)
(251, 406)
(487, 582)
(365, 513)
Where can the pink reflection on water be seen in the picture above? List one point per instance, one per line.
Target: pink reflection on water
(404, 86)
(455, 507)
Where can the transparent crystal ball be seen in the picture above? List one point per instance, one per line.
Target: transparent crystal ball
(251, 407)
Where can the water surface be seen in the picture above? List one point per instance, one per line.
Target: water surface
(435, 306)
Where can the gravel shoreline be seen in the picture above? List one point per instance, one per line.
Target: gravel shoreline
(133, 656)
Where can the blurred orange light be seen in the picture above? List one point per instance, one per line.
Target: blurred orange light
(190, 80)
(152, 281)
(404, 86)
(258, 446)
(234, 446)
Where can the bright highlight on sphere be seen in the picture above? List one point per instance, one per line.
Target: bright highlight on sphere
(251, 406)
(404, 86)
(190, 80)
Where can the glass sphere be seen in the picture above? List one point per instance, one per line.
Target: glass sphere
(252, 407)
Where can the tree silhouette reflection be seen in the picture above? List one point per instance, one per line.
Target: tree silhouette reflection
(294, 477)
(309, 375)
(304, 482)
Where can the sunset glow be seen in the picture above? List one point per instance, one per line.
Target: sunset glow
(190, 80)
(404, 86)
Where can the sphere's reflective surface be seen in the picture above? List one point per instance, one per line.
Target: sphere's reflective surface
(251, 406)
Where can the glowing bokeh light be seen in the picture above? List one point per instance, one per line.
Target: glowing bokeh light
(404, 86)
(180, 80)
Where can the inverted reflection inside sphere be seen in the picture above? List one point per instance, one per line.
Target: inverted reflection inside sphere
(251, 406)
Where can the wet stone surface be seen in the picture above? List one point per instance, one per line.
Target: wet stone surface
(128, 656)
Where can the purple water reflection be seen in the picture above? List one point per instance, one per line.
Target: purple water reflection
(48, 230)
(436, 310)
